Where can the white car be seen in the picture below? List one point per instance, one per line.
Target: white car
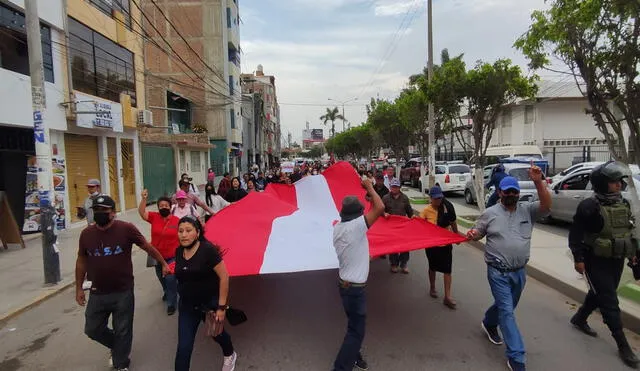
(570, 170)
(452, 177)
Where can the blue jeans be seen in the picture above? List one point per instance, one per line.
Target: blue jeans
(506, 289)
(169, 285)
(189, 318)
(354, 303)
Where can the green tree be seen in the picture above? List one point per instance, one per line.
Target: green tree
(315, 152)
(598, 40)
(332, 115)
(384, 118)
(483, 92)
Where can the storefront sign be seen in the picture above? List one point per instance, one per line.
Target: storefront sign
(94, 112)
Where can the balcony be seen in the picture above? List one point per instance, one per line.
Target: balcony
(160, 136)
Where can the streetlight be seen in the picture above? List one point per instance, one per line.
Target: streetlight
(343, 103)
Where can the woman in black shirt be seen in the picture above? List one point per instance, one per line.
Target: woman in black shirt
(235, 193)
(203, 285)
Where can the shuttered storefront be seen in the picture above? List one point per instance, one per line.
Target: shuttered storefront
(81, 153)
(128, 174)
(159, 170)
(113, 171)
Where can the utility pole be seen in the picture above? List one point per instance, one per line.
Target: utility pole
(431, 114)
(50, 256)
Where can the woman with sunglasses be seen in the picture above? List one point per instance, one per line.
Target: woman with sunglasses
(203, 285)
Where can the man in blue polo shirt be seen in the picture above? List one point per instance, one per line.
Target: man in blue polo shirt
(508, 226)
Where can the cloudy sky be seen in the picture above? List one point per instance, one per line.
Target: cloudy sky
(345, 49)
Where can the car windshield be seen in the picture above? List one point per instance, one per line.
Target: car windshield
(459, 169)
(534, 155)
(522, 174)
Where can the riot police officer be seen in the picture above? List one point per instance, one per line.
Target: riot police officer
(600, 239)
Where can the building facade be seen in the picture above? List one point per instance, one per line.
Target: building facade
(92, 98)
(193, 77)
(265, 86)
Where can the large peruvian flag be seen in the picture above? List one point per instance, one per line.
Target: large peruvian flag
(289, 228)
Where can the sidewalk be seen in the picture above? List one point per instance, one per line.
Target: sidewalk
(21, 270)
(551, 263)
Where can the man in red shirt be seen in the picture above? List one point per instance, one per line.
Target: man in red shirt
(104, 257)
(164, 237)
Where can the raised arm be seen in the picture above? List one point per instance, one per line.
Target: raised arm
(142, 208)
(377, 206)
(535, 173)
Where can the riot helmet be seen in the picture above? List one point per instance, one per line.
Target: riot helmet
(611, 171)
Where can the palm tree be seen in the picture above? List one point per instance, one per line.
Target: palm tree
(332, 115)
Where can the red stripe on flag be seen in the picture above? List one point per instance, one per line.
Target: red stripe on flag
(284, 192)
(399, 234)
(242, 230)
(343, 180)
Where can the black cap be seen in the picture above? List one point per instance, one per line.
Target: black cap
(104, 201)
(352, 208)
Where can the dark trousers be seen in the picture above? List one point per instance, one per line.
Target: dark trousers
(604, 276)
(120, 306)
(354, 303)
(399, 259)
(208, 199)
(189, 318)
(169, 285)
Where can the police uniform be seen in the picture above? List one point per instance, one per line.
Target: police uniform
(601, 237)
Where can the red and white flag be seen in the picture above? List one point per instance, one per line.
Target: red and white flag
(289, 228)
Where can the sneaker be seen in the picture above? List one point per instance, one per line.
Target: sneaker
(394, 269)
(492, 334)
(122, 369)
(361, 364)
(515, 365)
(229, 363)
(583, 326)
(405, 270)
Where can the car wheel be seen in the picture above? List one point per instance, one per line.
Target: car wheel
(468, 198)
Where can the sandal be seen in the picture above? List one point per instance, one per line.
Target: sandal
(433, 294)
(450, 303)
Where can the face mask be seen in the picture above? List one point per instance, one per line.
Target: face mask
(192, 244)
(94, 194)
(510, 200)
(164, 212)
(102, 219)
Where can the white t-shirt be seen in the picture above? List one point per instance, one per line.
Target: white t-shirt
(352, 246)
(184, 211)
(218, 203)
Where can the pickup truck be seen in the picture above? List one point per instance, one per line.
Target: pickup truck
(410, 172)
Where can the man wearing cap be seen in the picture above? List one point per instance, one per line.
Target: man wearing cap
(397, 203)
(94, 190)
(508, 226)
(104, 258)
(192, 199)
(352, 247)
(379, 187)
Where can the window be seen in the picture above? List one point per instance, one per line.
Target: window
(231, 86)
(108, 6)
(441, 170)
(195, 161)
(99, 66)
(183, 166)
(528, 115)
(576, 183)
(233, 118)
(14, 54)
(506, 118)
(228, 17)
(459, 169)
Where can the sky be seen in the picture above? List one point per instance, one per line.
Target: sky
(347, 49)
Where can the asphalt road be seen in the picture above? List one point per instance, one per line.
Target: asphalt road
(296, 323)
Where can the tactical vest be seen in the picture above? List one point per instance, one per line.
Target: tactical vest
(615, 239)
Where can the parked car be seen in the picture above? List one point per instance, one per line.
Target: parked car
(575, 187)
(519, 171)
(410, 172)
(452, 177)
(572, 169)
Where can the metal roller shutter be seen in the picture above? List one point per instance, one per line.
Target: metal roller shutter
(81, 153)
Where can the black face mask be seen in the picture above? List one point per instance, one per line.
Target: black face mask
(164, 212)
(102, 219)
(510, 200)
(192, 244)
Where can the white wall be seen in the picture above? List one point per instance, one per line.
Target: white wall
(564, 120)
(199, 174)
(15, 93)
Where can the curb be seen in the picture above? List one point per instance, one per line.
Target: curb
(51, 292)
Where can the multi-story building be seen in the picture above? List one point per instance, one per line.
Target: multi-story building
(265, 85)
(92, 97)
(252, 131)
(193, 77)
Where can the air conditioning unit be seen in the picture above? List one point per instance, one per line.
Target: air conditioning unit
(145, 118)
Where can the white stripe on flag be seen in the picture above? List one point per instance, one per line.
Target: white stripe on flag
(309, 229)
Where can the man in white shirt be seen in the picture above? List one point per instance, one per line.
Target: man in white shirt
(389, 176)
(352, 247)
